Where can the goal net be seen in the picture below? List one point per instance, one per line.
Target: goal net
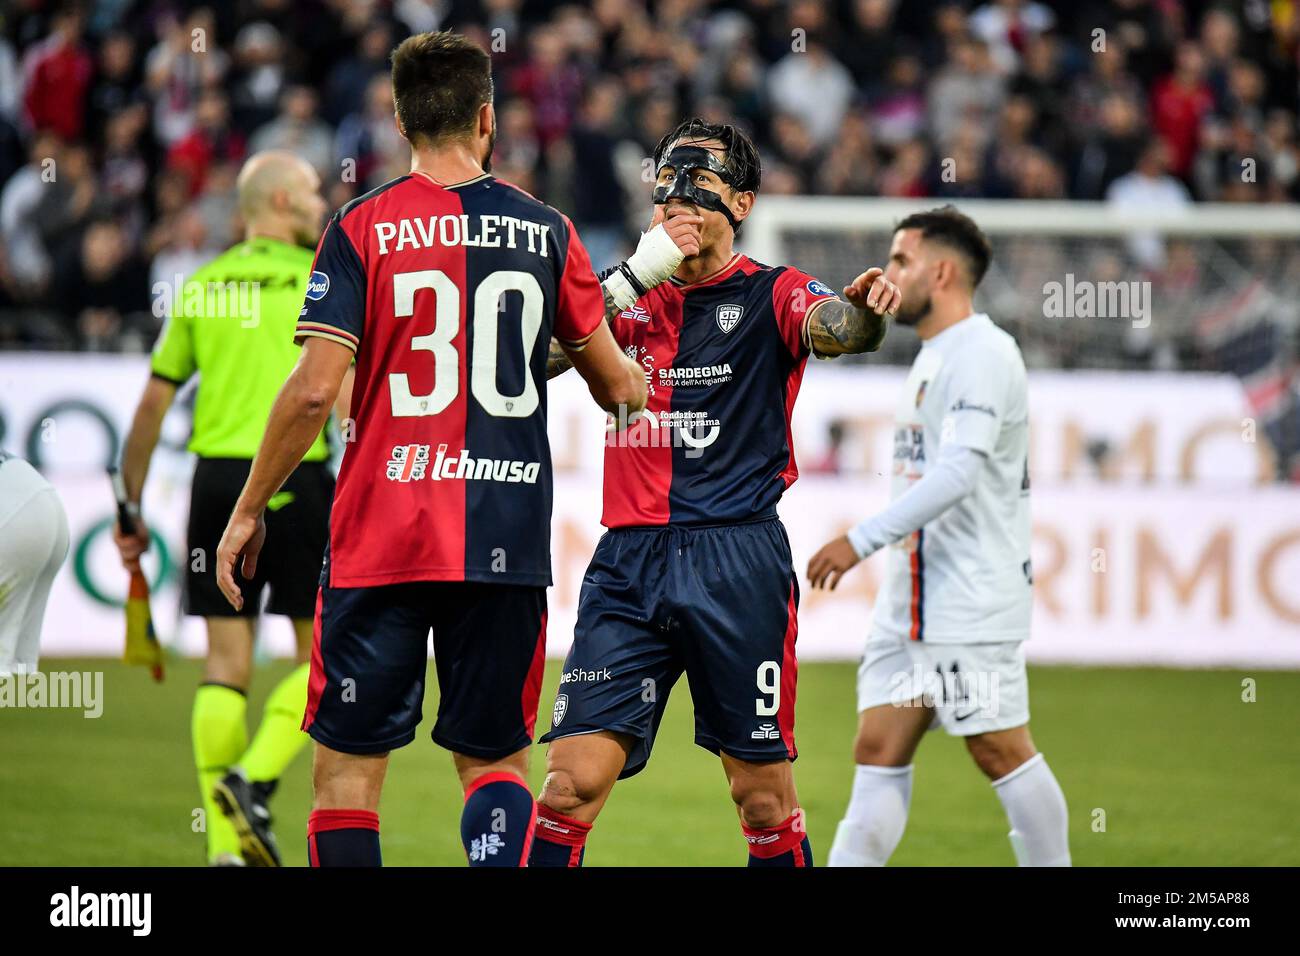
(1207, 288)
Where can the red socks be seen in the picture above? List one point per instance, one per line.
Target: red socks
(785, 844)
(343, 838)
(558, 840)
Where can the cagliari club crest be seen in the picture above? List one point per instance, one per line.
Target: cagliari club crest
(728, 316)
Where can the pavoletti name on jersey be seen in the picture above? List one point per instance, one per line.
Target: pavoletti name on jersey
(695, 375)
(411, 463)
(489, 232)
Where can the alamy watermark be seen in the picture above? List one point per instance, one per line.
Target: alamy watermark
(966, 693)
(1084, 299)
(75, 908)
(71, 690)
(692, 430)
(212, 300)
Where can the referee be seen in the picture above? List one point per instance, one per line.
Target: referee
(232, 323)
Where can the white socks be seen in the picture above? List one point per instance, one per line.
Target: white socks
(877, 814)
(1036, 808)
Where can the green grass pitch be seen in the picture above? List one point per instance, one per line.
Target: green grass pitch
(1159, 767)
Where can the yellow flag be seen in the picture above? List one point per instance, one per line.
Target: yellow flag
(142, 645)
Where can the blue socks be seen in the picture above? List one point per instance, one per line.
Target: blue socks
(497, 823)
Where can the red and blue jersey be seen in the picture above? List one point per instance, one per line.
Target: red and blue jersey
(724, 358)
(449, 296)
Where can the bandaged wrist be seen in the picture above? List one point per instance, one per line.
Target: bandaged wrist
(656, 258)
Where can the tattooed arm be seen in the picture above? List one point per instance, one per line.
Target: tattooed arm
(839, 328)
(836, 327)
(557, 362)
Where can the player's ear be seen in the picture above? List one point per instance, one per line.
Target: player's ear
(945, 273)
(397, 121)
(486, 119)
(742, 204)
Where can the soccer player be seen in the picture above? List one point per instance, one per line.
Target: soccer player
(695, 572)
(448, 285)
(232, 324)
(945, 642)
(33, 544)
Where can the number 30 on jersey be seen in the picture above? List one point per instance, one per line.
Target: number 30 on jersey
(441, 342)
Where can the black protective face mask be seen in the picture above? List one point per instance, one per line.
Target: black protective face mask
(684, 160)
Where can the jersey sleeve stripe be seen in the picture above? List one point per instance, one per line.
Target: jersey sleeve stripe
(805, 334)
(154, 373)
(320, 330)
(578, 344)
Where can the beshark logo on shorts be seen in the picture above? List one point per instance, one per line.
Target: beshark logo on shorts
(561, 708)
(728, 316)
(317, 285)
(579, 676)
(817, 287)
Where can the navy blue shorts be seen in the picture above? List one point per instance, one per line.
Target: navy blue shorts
(717, 602)
(368, 662)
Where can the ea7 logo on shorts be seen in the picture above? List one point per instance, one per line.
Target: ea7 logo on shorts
(408, 463)
(728, 316)
(636, 312)
(561, 708)
(317, 285)
(766, 732)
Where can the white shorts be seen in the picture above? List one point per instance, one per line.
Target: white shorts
(33, 544)
(973, 688)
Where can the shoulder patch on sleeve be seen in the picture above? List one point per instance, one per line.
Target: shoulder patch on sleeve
(318, 284)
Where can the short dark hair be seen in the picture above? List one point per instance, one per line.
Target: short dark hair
(956, 230)
(742, 161)
(440, 82)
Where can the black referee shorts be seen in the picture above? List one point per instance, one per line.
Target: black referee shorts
(297, 530)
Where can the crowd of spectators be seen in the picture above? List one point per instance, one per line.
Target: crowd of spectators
(124, 122)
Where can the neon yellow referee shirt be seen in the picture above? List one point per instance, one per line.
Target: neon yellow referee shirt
(233, 323)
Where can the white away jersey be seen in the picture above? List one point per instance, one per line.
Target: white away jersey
(965, 577)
